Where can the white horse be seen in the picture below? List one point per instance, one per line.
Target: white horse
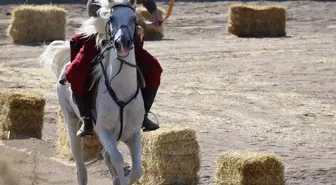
(113, 124)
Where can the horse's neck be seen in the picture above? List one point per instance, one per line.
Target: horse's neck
(125, 83)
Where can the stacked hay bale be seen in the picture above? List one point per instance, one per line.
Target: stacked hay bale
(151, 31)
(249, 168)
(21, 114)
(170, 156)
(91, 145)
(36, 23)
(257, 21)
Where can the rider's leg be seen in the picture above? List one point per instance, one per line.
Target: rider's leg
(83, 51)
(151, 71)
(84, 105)
(149, 97)
(82, 98)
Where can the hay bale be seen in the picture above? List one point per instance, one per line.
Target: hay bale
(256, 21)
(91, 144)
(21, 114)
(170, 155)
(36, 23)
(249, 168)
(151, 32)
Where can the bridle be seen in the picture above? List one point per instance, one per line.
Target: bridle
(110, 35)
(110, 40)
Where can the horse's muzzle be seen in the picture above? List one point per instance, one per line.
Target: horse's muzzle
(123, 41)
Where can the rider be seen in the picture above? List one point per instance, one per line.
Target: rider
(84, 50)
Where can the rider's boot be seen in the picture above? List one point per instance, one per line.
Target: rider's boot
(83, 103)
(149, 96)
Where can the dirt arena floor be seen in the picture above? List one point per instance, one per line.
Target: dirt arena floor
(268, 95)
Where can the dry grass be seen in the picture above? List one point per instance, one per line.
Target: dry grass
(249, 168)
(21, 114)
(91, 145)
(30, 23)
(257, 21)
(170, 155)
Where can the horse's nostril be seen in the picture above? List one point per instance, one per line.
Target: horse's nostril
(128, 43)
(117, 44)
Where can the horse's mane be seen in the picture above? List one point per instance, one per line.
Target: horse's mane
(97, 26)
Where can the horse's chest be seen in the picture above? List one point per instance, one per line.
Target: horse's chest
(109, 114)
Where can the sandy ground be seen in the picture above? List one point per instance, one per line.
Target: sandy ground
(269, 95)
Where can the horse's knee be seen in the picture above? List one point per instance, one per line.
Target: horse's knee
(116, 157)
(105, 155)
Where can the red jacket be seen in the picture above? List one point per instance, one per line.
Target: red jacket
(83, 51)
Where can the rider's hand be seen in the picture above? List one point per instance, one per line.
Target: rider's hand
(141, 33)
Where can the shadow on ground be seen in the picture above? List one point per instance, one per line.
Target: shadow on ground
(6, 176)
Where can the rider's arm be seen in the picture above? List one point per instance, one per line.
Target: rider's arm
(75, 46)
(150, 5)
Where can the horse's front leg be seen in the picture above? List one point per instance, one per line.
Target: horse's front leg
(76, 145)
(134, 145)
(109, 143)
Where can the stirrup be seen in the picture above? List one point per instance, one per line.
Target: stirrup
(154, 117)
(150, 126)
(81, 131)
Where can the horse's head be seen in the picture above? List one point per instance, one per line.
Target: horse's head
(121, 25)
(122, 29)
